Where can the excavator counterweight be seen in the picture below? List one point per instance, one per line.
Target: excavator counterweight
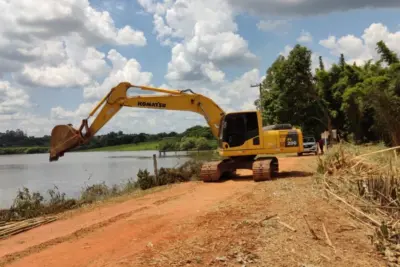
(241, 137)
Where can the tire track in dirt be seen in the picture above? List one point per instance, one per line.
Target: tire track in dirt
(81, 233)
(128, 231)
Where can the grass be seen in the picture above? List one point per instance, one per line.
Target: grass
(23, 150)
(128, 147)
(153, 145)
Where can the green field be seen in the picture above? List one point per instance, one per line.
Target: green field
(128, 147)
(153, 145)
(22, 150)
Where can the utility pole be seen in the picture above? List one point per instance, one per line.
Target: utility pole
(259, 102)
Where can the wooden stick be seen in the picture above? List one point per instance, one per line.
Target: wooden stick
(24, 226)
(328, 240)
(287, 226)
(375, 222)
(311, 230)
(267, 218)
(324, 256)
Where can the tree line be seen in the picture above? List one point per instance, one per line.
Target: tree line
(18, 138)
(362, 102)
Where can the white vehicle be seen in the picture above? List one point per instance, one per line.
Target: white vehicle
(310, 145)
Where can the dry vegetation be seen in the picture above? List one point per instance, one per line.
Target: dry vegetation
(364, 181)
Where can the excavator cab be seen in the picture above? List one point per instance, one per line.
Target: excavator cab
(240, 130)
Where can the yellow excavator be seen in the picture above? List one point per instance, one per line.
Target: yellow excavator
(243, 142)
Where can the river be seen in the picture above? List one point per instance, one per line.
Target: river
(74, 171)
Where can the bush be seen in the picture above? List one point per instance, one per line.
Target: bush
(29, 205)
(188, 143)
(169, 145)
(202, 144)
(36, 150)
(188, 171)
(145, 180)
(95, 192)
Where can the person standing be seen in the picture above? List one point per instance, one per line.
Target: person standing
(321, 145)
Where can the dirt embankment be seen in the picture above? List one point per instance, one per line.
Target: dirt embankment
(233, 223)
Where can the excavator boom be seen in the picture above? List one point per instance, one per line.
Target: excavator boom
(65, 137)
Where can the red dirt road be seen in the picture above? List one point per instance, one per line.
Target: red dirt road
(204, 224)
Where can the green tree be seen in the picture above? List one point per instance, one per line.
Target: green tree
(361, 101)
(290, 95)
(386, 54)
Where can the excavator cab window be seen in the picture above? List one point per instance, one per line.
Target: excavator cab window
(239, 127)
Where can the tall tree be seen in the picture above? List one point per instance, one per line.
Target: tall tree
(361, 101)
(290, 95)
(387, 55)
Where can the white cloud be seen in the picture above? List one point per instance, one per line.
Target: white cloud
(241, 94)
(32, 35)
(305, 37)
(361, 49)
(56, 46)
(203, 38)
(286, 51)
(64, 64)
(306, 7)
(81, 112)
(123, 69)
(12, 99)
(279, 25)
(64, 75)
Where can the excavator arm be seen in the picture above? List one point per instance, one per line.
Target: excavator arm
(65, 137)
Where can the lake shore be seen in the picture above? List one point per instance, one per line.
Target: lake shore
(203, 224)
(143, 146)
(41, 150)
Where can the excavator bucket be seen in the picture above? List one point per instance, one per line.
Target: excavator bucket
(63, 138)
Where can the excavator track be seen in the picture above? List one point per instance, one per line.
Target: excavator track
(265, 169)
(212, 171)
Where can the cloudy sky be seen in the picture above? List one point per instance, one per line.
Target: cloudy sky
(58, 60)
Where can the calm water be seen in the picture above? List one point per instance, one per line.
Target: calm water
(74, 171)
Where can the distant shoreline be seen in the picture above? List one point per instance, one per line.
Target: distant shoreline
(143, 146)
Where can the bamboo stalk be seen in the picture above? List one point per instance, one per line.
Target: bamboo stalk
(375, 222)
(24, 226)
(376, 152)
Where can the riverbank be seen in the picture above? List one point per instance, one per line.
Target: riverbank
(127, 147)
(284, 222)
(29, 204)
(143, 146)
(23, 150)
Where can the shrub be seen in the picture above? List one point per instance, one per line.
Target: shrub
(95, 192)
(202, 144)
(188, 143)
(145, 180)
